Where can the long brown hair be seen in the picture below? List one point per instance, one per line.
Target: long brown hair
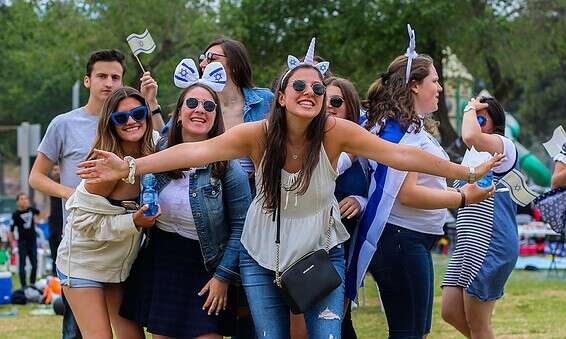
(238, 60)
(276, 150)
(389, 97)
(350, 95)
(175, 135)
(107, 138)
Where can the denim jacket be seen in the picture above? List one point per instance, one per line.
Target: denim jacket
(257, 103)
(219, 208)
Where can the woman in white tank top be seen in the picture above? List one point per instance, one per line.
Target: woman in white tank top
(300, 145)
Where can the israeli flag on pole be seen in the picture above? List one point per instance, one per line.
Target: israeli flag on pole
(518, 189)
(383, 190)
(141, 43)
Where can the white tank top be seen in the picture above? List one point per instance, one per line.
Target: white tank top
(304, 218)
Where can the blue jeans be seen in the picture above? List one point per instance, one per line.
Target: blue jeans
(402, 267)
(271, 313)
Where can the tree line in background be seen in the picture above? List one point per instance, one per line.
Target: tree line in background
(514, 48)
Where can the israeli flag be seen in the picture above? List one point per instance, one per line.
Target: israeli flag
(141, 43)
(518, 189)
(384, 187)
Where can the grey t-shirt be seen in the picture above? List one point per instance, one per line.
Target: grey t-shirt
(67, 141)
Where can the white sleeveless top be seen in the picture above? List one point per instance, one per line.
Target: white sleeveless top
(304, 218)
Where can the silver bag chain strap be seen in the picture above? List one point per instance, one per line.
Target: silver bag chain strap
(277, 246)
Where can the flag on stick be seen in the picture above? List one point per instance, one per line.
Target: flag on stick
(141, 43)
(555, 144)
(518, 189)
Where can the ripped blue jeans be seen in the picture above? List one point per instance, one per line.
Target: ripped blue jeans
(270, 312)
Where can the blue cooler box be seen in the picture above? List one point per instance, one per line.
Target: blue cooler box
(5, 287)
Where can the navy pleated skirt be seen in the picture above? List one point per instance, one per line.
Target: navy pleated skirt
(162, 290)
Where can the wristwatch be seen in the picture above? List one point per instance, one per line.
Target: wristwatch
(471, 175)
(469, 108)
(156, 111)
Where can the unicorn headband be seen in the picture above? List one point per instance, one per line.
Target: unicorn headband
(294, 62)
(213, 76)
(411, 53)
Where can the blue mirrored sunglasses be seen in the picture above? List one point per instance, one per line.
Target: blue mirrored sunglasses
(138, 114)
(481, 120)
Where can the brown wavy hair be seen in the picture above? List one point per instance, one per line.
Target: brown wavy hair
(107, 138)
(276, 150)
(350, 95)
(175, 135)
(389, 97)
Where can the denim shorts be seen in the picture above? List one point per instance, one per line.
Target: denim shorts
(78, 282)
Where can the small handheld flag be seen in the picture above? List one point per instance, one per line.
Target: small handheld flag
(555, 144)
(141, 43)
(518, 189)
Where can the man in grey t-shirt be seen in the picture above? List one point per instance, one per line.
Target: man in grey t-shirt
(68, 140)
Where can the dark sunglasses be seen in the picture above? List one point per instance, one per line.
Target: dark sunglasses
(210, 56)
(317, 88)
(336, 101)
(138, 114)
(481, 120)
(208, 105)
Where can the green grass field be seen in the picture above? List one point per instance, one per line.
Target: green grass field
(534, 306)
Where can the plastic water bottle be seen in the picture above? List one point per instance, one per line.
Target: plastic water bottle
(486, 181)
(149, 194)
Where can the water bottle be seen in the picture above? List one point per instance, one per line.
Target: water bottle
(149, 194)
(486, 181)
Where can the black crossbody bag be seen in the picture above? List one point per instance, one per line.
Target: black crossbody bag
(309, 279)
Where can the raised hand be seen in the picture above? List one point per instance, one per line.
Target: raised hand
(107, 167)
(494, 161)
(148, 88)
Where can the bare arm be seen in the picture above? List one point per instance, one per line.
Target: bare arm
(239, 141)
(416, 196)
(559, 175)
(39, 180)
(352, 138)
(473, 136)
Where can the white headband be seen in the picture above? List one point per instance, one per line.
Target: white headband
(186, 74)
(294, 62)
(411, 53)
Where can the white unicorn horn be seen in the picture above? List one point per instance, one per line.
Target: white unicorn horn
(309, 57)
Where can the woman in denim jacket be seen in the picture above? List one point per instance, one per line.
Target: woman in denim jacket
(179, 283)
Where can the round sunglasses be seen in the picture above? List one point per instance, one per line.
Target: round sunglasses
(209, 56)
(336, 101)
(120, 118)
(208, 105)
(317, 88)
